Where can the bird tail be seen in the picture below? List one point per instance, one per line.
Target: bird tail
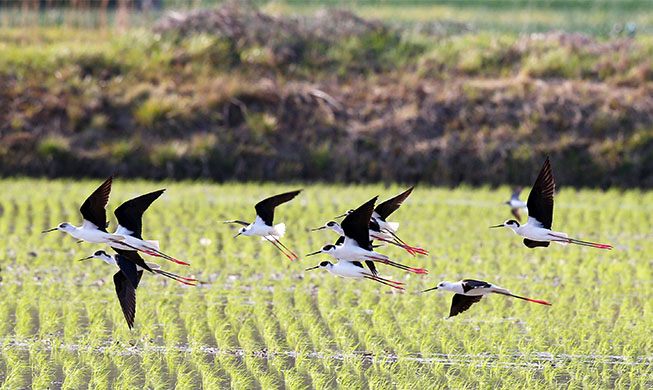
(153, 266)
(393, 225)
(153, 243)
(507, 293)
(281, 230)
(562, 236)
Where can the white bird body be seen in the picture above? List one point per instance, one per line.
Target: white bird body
(259, 228)
(355, 270)
(384, 225)
(89, 232)
(347, 269)
(457, 287)
(533, 230)
(132, 243)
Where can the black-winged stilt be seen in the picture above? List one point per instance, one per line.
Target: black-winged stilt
(128, 277)
(93, 211)
(354, 269)
(469, 291)
(263, 224)
(356, 245)
(130, 226)
(537, 230)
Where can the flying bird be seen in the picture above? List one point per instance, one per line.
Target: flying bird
(469, 291)
(130, 226)
(356, 245)
(128, 277)
(354, 269)
(93, 211)
(537, 230)
(263, 224)
(382, 230)
(516, 204)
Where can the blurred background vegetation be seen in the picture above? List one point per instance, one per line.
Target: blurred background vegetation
(444, 92)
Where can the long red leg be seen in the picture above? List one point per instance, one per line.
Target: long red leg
(285, 247)
(176, 278)
(583, 243)
(526, 299)
(279, 248)
(407, 248)
(398, 265)
(412, 248)
(383, 282)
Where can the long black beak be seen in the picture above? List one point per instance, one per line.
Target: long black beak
(237, 235)
(86, 258)
(314, 253)
(49, 230)
(497, 226)
(340, 216)
(430, 289)
(308, 269)
(320, 228)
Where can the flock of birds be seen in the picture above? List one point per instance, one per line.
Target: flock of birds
(354, 250)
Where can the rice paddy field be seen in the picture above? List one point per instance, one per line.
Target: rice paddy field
(260, 321)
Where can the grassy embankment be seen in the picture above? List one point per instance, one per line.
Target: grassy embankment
(319, 98)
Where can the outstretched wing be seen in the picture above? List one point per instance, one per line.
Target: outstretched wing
(461, 303)
(126, 296)
(238, 222)
(130, 213)
(389, 206)
(265, 208)
(540, 200)
(356, 225)
(94, 207)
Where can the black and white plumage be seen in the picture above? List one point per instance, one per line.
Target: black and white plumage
(470, 291)
(537, 230)
(130, 227)
(93, 211)
(129, 275)
(356, 245)
(263, 224)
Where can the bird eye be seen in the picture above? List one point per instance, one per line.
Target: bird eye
(324, 263)
(330, 224)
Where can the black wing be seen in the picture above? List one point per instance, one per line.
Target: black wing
(470, 284)
(265, 208)
(535, 244)
(540, 200)
(461, 303)
(356, 225)
(340, 240)
(126, 296)
(130, 213)
(128, 269)
(358, 264)
(93, 209)
(389, 206)
(133, 257)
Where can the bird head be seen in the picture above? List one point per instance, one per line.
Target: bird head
(441, 286)
(325, 249)
(345, 214)
(511, 224)
(102, 255)
(64, 227)
(324, 264)
(242, 230)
